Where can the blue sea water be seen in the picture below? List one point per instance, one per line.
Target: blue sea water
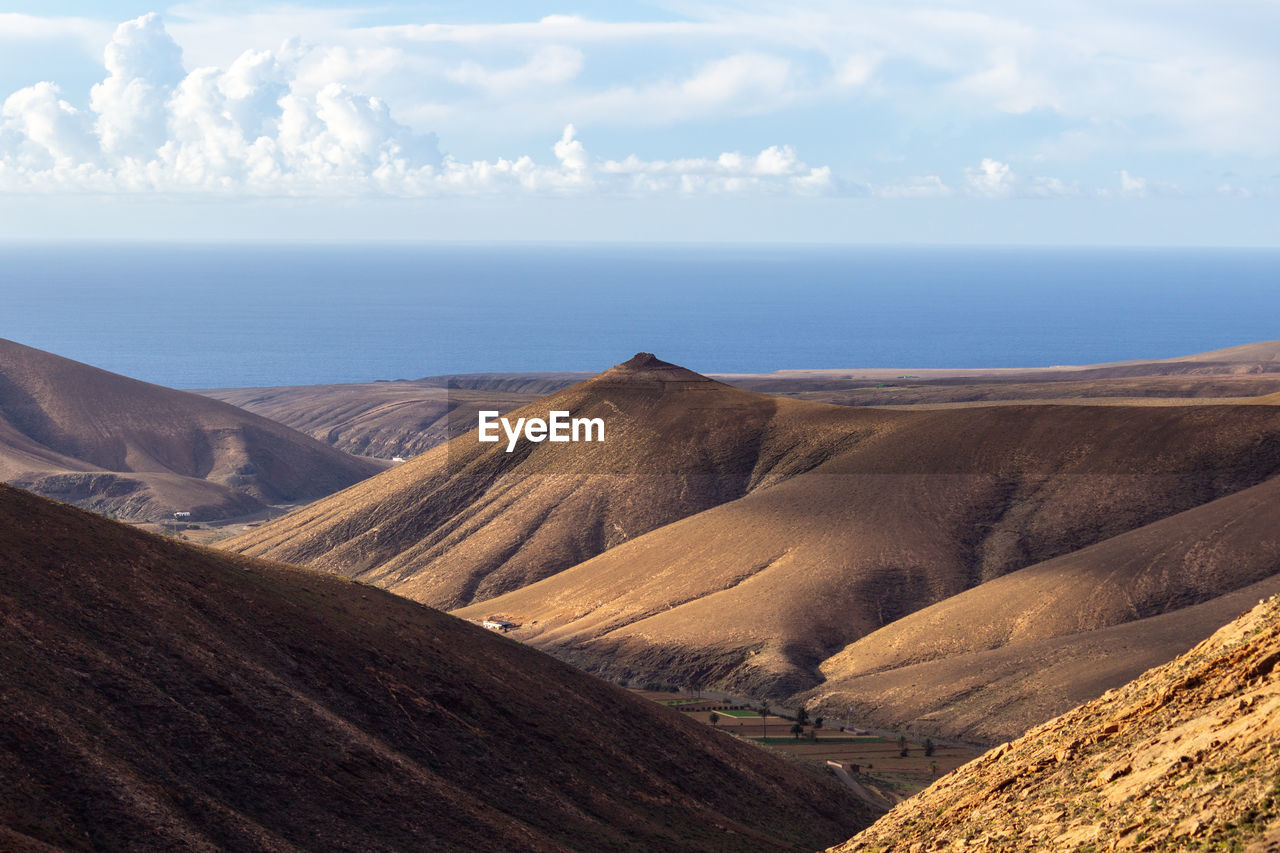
(203, 316)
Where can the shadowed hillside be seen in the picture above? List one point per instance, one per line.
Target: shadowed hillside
(1184, 757)
(156, 696)
(729, 538)
(469, 521)
(934, 668)
(757, 593)
(140, 451)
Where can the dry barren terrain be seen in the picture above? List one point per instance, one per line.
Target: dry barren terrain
(156, 696)
(925, 562)
(1185, 757)
(407, 417)
(139, 451)
(382, 419)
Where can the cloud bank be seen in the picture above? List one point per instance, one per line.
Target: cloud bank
(263, 127)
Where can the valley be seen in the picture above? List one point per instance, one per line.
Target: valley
(159, 693)
(785, 547)
(141, 452)
(946, 556)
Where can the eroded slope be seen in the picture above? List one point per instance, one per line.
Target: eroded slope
(155, 696)
(758, 592)
(140, 451)
(1187, 757)
(468, 521)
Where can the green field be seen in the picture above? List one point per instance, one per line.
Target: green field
(738, 714)
(825, 741)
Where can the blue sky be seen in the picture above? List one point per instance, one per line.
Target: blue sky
(1063, 122)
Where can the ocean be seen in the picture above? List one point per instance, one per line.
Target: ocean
(205, 316)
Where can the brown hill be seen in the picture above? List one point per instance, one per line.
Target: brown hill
(382, 419)
(408, 417)
(992, 695)
(1150, 390)
(988, 663)
(1237, 372)
(140, 451)
(155, 696)
(756, 593)
(469, 521)
(1258, 357)
(1184, 757)
(1264, 356)
(779, 533)
(537, 384)
(1178, 561)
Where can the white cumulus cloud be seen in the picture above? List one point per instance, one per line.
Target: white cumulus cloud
(274, 123)
(991, 179)
(774, 170)
(1132, 185)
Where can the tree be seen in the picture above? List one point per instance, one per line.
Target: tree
(928, 746)
(714, 718)
(933, 768)
(763, 711)
(802, 716)
(817, 723)
(797, 730)
(902, 745)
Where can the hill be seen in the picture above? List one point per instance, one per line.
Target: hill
(408, 417)
(988, 663)
(763, 545)
(156, 696)
(382, 419)
(140, 451)
(468, 521)
(1259, 357)
(1184, 757)
(1237, 372)
(757, 593)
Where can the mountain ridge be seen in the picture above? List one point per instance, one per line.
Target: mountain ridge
(158, 696)
(468, 520)
(931, 505)
(140, 451)
(733, 539)
(1182, 757)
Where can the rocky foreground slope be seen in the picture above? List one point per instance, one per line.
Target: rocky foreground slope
(1185, 757)
(156, 696)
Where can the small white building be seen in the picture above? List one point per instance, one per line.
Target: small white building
(498, 625)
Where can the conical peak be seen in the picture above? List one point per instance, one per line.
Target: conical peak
(645, 366)
(645, 361)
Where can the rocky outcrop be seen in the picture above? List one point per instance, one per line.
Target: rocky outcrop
(1187, 756)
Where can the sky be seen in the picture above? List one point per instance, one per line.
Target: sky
(1064, 122)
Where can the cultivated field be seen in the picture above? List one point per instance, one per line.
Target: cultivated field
(869, 756)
